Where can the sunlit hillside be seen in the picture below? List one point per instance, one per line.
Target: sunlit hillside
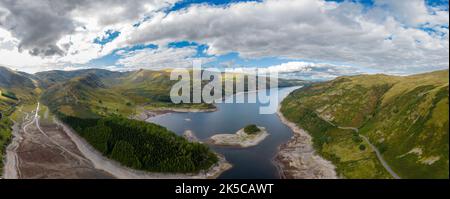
(406, 118)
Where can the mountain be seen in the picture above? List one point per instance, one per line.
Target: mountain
(405, 118)
(10, 79)
(93, 93)
(17, 85)
(49, 78)
(84, 96)
(145, 86)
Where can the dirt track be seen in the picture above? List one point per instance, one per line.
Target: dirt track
(41, 149)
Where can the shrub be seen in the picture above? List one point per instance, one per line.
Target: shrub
(362, 147)
(10, 95)
(251, 129)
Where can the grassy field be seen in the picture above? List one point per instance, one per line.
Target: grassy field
(405, 117)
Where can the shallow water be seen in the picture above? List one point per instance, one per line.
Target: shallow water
(248, 163)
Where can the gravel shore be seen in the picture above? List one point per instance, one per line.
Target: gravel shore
(297, 159)
(147, 114)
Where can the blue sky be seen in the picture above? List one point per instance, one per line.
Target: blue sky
(331, 37)
(110, 35)
(370, 3)
(186, 3)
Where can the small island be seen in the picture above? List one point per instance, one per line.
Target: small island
(249, 136)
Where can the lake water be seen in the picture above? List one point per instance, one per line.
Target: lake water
(248, 163)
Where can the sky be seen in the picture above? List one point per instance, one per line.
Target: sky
(313, 39)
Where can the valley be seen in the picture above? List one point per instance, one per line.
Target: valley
(39, 145)
(80, 124)
(251, 99)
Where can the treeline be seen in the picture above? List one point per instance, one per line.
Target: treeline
(251, 129)
(141, 145)
(9, 94)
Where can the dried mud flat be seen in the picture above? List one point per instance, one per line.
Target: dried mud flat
(146, 115)
(44, 151)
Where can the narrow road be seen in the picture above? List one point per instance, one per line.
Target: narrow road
(373, 147)
(377, 152)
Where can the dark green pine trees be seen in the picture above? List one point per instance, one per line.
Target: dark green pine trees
(142, 145)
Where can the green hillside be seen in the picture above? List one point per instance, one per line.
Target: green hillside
(17, 86)
(50, 78)
(406, 118)
(145, 87)
(91, 95)
(85, 96)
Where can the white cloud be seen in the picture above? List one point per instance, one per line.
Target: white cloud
(160, 58)
(9, 56)
(40, 25)
(413, 12)
(289, 67)
(410, 12)
(308, 29)
(305, 70)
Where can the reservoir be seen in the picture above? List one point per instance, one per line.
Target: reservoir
(248, 163)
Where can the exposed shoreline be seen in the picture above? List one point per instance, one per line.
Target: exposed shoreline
(297, 158)
(240, 139)
(187, 110)
(147, 114)
(122, 172)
